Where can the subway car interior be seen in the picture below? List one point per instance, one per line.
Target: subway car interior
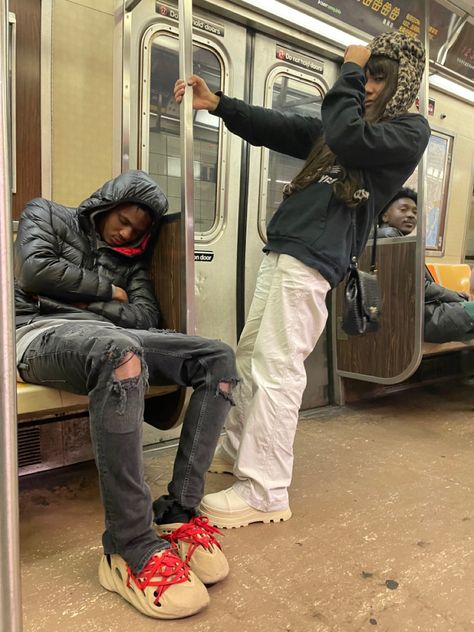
(382, 531)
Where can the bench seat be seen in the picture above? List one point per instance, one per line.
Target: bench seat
(434, 348)
(35, 400)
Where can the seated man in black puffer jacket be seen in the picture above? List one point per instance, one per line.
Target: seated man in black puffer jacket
(449, 315)
(86, 315)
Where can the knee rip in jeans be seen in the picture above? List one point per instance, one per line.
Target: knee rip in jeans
(129, 371)
(130, 366)
(225, 387)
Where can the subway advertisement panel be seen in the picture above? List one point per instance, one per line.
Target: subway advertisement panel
(460, 56)
(407, 16)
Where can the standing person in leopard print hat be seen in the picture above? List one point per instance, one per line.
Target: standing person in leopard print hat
(356, 158)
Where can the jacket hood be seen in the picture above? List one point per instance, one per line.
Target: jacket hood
(410, 54)
(135, 187)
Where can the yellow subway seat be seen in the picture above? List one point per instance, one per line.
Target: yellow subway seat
(454, 276)
(32, 398)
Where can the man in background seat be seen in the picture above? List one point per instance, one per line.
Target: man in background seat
(449, 315)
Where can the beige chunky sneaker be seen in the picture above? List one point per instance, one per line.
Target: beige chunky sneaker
(165, 589)
(196, 545)
(227, 510)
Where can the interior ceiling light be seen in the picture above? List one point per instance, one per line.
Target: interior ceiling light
(305, 22)
(452, 87)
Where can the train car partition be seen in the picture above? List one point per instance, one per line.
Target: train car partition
(395, 358)
(163, 412)
(387, 355)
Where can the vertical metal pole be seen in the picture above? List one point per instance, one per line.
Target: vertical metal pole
(422, 199)
(10, 595)
(187, 172)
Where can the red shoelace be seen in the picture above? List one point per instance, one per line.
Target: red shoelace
(196, 532)
(161, 571)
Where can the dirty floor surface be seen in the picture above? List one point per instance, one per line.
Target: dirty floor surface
(381, 536)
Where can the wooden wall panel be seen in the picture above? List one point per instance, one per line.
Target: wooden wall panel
(166, 272)
(389, 351)
(166, 269)
(28, 102)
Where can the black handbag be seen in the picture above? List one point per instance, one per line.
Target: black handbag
(361, 294)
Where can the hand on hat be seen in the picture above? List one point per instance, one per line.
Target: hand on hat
(357, 54)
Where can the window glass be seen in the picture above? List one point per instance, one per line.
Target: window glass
(470, 234)
(438, 163)
(289, 94)
(163, 134)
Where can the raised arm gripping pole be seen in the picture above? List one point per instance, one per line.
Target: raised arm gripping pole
(10, 589)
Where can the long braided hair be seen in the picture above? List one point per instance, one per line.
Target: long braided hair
(321, 159)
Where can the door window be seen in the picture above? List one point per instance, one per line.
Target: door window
(161, 128)
(286, 94)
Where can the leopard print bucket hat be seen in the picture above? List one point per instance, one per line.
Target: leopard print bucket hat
(410, 54)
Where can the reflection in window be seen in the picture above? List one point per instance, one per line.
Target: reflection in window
(163, 134)
(288, 95)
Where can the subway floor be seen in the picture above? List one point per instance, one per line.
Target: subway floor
(381, 536)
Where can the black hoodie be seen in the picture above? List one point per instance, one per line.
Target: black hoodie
(313, 225)
(59, 261)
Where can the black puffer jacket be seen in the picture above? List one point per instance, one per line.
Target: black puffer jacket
(59, 263)
(446, 319)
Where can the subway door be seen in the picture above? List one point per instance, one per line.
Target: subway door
(289, 80)
(218, 57)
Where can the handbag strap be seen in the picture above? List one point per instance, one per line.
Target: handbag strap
(373, 264)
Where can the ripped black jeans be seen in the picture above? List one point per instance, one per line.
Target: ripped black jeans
(81, 358)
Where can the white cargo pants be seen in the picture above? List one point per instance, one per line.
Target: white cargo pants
(286, 318)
